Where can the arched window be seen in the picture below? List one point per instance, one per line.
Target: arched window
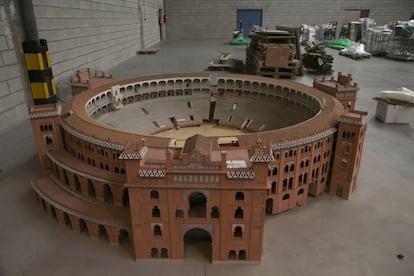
(274, 172)
(305, 178)
(179, 213)
(91, 188)
(76, 181)
(48, 140)
(197, 205)
(116, 170)
(286, 168)
(157, 230)
(285, 197)
(164, 253)
(290, 183)
(284, 185)
(156, 212)
(238, 213)
(107, 193)
(300, 191)
(307, 163)
(232, 255)
(238, 232)
(274, 187)
(154, 252)
(242, 255)
(302, 164)
(239, 196)
(292, 167)
(215, 212)
(154, 194)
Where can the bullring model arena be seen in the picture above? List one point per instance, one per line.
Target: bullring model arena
(156, 161)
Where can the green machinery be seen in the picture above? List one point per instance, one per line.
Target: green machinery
(238, 38)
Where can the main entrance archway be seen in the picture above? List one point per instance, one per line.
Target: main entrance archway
(198, 244)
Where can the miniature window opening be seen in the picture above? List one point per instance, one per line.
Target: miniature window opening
(197, 203)
(238, 213)
(238, 232)
(215, 212)
(179, 213)
(154, 253)
(285, 197)
(284, 187)
(232, 255)
(91, 188)
(274, 187)
(154, 194)
(239, 196)
(65, 178)
(292, 167)
(164, 253)
(300, 191)
(274, 172)
(242, 255)
(286, 168)
(290, 183)
(156, 212)
(103, 235)
(77, 183)
(57, 171)
(48, 140)
(157, 230)
(108, 196)
(125, 197)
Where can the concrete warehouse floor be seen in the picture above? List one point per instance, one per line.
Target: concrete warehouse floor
(327, 236)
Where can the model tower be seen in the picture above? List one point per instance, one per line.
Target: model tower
(350, 140)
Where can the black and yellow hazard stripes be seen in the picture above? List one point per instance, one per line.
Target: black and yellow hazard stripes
(38, 66)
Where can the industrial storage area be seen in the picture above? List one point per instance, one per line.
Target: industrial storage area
(207, 138)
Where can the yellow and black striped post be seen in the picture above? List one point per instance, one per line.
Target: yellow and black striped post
(38, 65)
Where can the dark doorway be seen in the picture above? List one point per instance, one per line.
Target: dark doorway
(197, 244)
(269, 206)
(197, 205)
(248, 18)
(339, 190)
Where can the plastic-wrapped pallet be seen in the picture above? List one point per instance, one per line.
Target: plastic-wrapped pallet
(377, 39)
(395, 106)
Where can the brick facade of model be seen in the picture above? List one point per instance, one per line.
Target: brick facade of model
(120, 186)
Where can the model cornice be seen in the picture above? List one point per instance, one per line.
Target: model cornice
(303, 141)
(89, 139)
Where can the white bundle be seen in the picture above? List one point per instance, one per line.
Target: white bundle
(401, 94)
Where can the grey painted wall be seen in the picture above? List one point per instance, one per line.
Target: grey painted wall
(217, 18)
(13, 106)
(95, 33)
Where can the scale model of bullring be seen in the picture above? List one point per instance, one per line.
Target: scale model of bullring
(155, 192)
